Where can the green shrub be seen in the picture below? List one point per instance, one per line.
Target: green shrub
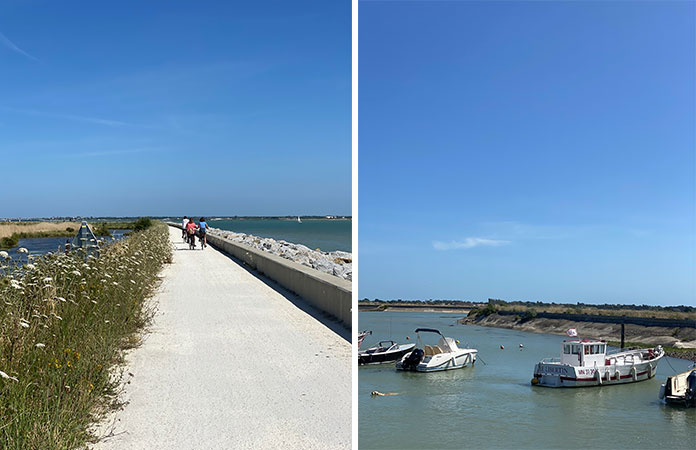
(70, 229)
(102, 229)
(9, 241)
(142, 224)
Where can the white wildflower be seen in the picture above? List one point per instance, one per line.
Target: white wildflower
(22, 250)
(94, 301)
(60, 298)
(7, 377)
(76, 272)
(132, 281)
(57, 316)
(4, 255)
(40, 345)
(115, 283)
(24, 323)
(47, 280)
(30, 267)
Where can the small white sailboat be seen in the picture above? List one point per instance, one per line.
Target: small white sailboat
(585, 362)
(298, 219)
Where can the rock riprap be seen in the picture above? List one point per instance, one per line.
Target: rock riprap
(339, 264)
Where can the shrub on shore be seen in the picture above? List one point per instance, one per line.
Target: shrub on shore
(64, 322)
(142, 224)
(9, 241)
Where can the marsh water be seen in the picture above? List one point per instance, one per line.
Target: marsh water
(40, 246)
(493, 405)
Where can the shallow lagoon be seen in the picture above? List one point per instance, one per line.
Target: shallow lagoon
(493, 405)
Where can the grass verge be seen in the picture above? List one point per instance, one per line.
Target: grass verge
(64, 323)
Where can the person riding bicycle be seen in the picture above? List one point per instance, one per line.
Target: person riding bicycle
(202, 231)
(183, 228)
(191, 233)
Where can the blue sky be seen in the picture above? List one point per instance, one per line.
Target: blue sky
(158, 108)
(528, 151)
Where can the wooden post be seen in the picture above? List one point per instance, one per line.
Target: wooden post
(622, 335)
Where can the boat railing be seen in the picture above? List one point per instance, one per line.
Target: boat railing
(550, 360)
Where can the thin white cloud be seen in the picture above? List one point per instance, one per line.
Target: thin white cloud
(470, 242)
(95, 120)
(11, 45)
(115, 152)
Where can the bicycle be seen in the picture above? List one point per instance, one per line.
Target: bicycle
(192, 241)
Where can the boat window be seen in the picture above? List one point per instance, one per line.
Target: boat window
(587, 349)
(602, 349)
(566, 349)
(575, 349)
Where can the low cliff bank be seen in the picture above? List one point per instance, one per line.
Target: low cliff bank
(681, 339)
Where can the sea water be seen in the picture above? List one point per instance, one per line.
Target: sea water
(326, 234)
(493, 404)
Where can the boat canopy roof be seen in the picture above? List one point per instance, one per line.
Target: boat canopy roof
(428, 330)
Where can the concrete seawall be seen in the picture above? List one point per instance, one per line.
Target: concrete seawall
(327, 293)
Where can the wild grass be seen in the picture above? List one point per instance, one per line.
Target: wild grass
(64, 323)
(9, 228)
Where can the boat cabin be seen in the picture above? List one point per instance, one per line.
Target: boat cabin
(583, 352)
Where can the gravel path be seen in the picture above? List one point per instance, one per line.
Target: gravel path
(232, 363)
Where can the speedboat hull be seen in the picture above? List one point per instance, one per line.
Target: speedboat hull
(382, 357)
(680, 389)
(440, 362)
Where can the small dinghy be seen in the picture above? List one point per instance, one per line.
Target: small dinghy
(680, 389)
(443, 356)
(384, 352)
(586, 363)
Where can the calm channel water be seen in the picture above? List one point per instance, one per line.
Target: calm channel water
(328, 235)
(493, 405)
(40, 246)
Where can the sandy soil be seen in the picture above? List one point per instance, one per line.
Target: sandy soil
(232, 362)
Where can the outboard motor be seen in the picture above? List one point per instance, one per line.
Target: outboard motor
(690, 396)
(413, 359)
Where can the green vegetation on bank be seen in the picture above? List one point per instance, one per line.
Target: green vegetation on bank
(531, 309)
(64, 322)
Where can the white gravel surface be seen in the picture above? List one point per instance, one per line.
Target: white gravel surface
(232, 363)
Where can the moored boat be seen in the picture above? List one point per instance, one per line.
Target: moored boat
(384, 352)
(361, 337)
(585, 362)
(446, 355)
(680, 389)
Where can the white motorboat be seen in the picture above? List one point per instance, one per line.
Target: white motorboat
(443, 356)
(384, 352)
(585, 362)
(680, 389)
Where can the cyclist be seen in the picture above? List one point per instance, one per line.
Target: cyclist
(183, 229)
(191, 233)
(202, 231)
